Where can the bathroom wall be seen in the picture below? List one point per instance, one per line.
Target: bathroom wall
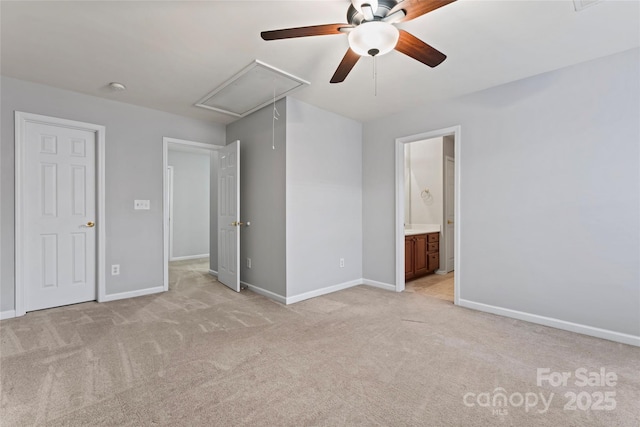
(448, 147)
(426, 173)
(407, 185)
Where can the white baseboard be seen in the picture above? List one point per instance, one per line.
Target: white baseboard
(9, 314)
(133, 294)
(318, 292)
(381, 285)
(184, 258)
(323, 291)
(213, 273)
(265, 293)
(554, 323)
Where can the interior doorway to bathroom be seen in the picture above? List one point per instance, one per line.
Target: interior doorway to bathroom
(427, 191)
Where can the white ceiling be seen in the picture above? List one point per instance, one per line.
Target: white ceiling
(170, 54)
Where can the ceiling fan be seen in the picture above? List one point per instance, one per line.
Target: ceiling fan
(372, 32)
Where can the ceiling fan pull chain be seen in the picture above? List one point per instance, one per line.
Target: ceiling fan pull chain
(276, 114)
(375, 76)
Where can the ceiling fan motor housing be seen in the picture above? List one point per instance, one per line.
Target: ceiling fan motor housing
(354, 17)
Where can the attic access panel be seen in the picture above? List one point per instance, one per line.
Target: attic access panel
(251, 89)
(583, 4)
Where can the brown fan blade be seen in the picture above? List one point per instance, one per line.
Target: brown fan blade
(415, 8)
(315, 30)
(412, 46)
(345, 67)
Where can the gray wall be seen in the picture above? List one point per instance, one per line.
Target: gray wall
(324, 198)
(133, 171)
(549, 192)
(262, 198)
(191, 192)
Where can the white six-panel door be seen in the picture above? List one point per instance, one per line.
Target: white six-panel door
(59, 214)
(229, 216)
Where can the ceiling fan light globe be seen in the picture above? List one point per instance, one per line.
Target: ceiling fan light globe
(358, 4)
(379, 37)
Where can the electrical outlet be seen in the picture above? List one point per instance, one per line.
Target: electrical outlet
(341, 262)
(115, 269)
(248, 262)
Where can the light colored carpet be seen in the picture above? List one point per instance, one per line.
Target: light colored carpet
(204, 355)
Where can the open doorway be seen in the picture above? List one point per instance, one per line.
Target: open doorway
(191, 188)
(427, 211)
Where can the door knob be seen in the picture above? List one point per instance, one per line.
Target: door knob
(449, 221)
(91, 224)
(237, 224)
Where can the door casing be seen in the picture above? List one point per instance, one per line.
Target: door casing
(165, 191)
(400, 200)
(170, 203)
(448, 233)
(21, 120)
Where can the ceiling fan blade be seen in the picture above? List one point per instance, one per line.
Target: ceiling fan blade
(412, 46)
(345, 67)
(394, 17)
(415, 8)
(315, 30)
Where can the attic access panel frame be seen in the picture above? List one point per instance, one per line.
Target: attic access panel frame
(258, 79)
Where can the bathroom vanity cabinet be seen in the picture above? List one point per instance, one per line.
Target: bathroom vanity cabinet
(421, 255)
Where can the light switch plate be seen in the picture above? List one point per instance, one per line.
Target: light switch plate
(142, 205)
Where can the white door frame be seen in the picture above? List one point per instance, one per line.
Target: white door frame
(21, 120)
(170, 203)
(165, 193)
(445, 229)
(399, 225)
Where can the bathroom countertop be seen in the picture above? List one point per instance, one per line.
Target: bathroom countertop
(435, 228)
